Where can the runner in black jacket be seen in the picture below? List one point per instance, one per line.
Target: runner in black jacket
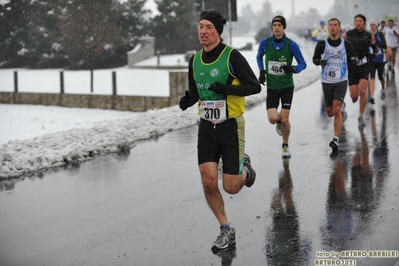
(358, 76)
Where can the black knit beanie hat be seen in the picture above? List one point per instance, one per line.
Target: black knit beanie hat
(280, 19)
(215, 17)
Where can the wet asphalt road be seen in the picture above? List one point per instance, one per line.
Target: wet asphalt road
(148, 208)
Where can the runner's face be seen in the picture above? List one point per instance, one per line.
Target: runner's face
(359, 24)
(333, 28)
(208, 35)
(373, 27)
(390, 24)
(278, 29)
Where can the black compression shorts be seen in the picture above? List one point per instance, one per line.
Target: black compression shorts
(274, 96)
(225, 140)
(356, 73)
(334, 91)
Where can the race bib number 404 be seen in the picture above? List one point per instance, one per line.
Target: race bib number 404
(213, 111)
(274, 68)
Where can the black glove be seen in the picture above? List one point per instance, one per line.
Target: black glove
(353, 61)
(288, 69)
(323, 62)
(185, 101)
(371, 56)
(262, 77)
(217, 87)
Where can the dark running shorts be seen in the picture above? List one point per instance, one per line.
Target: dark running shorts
(334, 91)
(274, 96)
(356, 73)
(379, 67)
(226, 140)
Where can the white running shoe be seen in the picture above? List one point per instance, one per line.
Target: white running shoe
(286, 152)
(334, 145)
(278, 127)
(361, 121)
(227, 237)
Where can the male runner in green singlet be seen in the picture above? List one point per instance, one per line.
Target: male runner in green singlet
(219, 79)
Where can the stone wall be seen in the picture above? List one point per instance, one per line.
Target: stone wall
(178, 83)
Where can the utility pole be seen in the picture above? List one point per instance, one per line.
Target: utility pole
(293, 12)
(230, 22)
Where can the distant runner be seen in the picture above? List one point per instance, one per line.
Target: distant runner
(378, 62)
(391, 33)
(321, 32)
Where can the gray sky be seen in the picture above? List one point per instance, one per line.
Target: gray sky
(285, 5)
(282, 5)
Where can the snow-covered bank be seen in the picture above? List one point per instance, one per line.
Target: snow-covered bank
(78, 81)
(84, 139)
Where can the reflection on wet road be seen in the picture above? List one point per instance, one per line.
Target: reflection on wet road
(148, 208)
(355, 190)
(226, 255)
(284, 245)
(356, 186)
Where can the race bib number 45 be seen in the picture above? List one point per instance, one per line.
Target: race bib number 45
(332, 73)
(213, 111)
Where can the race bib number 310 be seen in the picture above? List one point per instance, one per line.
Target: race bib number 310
(213, 111)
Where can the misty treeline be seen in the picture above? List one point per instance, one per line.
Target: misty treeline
(90, 34)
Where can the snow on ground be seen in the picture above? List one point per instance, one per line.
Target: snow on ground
(19, 122)
(78, 81)
(37, 138)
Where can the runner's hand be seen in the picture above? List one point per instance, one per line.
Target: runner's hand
(288, 69)
(217, 87)
(262, 77)
(323, 62)
(354, 61)
(185, 101)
